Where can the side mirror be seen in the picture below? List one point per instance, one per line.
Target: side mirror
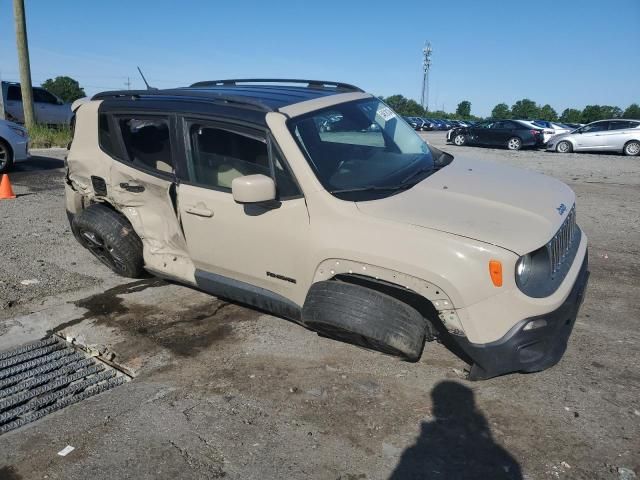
(253, 189)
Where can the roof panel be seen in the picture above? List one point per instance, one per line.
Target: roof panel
(266, 97)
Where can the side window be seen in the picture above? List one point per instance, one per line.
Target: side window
(285, 184)
(595, 127)
(500, 125)
(620, 125)
(218, 156)
(147, 142)
(105, 136)
(40, 95)
(14, 94)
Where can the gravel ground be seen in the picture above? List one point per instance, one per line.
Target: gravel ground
(222, 390)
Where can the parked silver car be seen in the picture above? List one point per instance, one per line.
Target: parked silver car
(617, 135)
(48, 108)
(14, 143)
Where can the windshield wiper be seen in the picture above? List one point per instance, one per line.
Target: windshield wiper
(416, 173)
(372, 188)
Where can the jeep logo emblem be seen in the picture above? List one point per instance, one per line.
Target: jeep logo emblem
(562, 208)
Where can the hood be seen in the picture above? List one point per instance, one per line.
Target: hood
(512, 208)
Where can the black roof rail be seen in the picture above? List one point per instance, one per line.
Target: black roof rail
(308, 83)
(118, 93)
(185, 94)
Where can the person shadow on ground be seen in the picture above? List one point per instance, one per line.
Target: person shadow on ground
(457, 444)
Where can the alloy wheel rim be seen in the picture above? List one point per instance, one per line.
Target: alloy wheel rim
(3, 157)
(514, 143)
(563, 147)
(458, 140)
(103, 252)
(633, 148)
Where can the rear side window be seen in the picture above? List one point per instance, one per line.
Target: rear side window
(621, 125)
(105, 136)
(40, 95)
(147, 142)
(14, 94)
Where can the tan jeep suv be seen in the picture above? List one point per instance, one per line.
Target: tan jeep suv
(315, 201)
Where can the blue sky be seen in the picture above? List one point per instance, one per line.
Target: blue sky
(566, 53)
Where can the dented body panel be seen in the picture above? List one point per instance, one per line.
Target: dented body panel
(150, 210)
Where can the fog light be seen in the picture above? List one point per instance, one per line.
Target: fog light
(533, 324)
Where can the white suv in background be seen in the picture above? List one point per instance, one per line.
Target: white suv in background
(618, 135)
(48, 108)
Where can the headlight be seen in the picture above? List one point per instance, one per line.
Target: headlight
(523, 270)
(19, 131)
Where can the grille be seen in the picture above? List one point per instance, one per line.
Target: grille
(560, 245)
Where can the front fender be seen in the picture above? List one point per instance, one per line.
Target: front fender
(332, 267)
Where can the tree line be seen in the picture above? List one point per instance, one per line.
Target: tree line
(522, 109)
(528, 109)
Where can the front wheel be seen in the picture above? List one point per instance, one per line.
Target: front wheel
(564, 147)
(632, 148)
(514, 143)
(6, 157)
(364, 317)
(459, 140)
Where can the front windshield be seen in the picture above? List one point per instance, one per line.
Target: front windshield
(367, 149)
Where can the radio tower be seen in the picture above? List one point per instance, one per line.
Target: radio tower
(426, 66)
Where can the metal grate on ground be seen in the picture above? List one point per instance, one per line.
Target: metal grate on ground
(42, 377)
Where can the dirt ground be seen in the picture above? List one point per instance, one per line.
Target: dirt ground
(220, 390)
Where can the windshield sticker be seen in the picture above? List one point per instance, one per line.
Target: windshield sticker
(386, 113)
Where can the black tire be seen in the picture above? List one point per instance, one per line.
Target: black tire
(632, 148)
(459, 139)
(514, 143)
(109, 236)
(564, 146)
(6, 156)
(365, 317)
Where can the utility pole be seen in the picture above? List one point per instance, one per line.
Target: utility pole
(2, 114)
(128, 83)
(23, 61)
(426, 66)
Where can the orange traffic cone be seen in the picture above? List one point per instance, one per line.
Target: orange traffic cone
(6, 191)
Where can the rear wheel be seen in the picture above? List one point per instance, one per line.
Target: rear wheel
(6, 157)
(564, 147)
(459, 139)
(514, 143)
(109, 236)
(365, 317)
(632, 148)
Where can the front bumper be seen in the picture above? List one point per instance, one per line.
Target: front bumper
(21, 150)
(529, 350)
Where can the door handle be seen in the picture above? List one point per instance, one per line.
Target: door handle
(132, 187)
(200, 212)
